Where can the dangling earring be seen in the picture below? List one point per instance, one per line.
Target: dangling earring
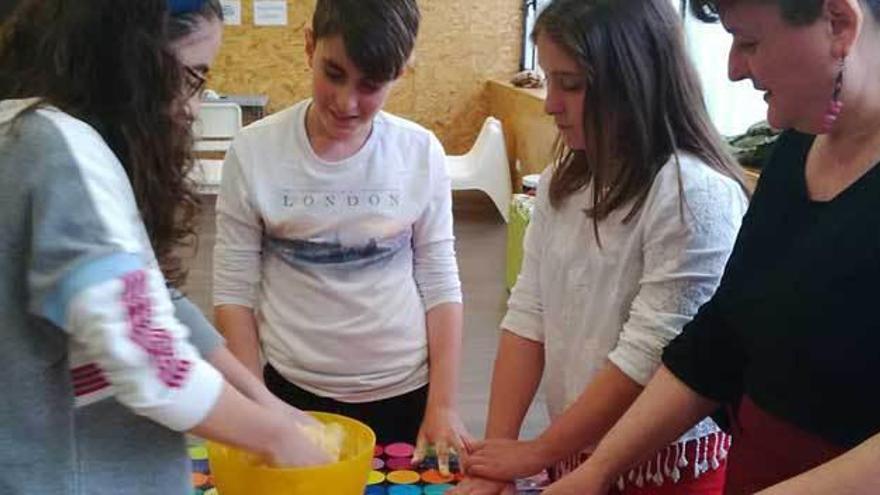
(832, 113)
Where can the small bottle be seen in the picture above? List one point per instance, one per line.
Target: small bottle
(530, 184)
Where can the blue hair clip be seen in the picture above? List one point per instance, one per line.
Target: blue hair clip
(179, 7)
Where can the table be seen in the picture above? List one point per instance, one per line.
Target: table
(253, 107)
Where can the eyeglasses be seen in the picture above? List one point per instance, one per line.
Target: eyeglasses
(196, 81)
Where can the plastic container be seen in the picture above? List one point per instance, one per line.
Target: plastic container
(237, 473)
(530, 184)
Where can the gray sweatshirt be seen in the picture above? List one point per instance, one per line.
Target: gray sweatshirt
(100, 377)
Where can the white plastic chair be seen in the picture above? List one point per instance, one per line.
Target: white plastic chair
(207, 175)
(485, 167)
(217, 124)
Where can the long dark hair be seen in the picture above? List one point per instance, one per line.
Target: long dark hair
(643, 101)
(110, 64)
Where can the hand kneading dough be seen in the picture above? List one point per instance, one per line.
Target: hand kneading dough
(327, 437)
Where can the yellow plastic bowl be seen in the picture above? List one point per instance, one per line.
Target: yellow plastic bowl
(236, 472)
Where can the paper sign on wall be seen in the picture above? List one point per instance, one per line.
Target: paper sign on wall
(270, 12)
(231, 12)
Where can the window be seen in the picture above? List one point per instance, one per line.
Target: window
(732, 106)
(531, 8)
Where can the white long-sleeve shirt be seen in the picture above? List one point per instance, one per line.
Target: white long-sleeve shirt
(339, 260)
(625, 300)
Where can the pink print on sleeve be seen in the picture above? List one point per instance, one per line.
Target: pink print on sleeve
(157, 342)
(88, 379)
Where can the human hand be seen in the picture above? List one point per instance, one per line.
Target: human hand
(443, 430)
(482, 486)
(504, 459)
(301, 417)
(293, 446)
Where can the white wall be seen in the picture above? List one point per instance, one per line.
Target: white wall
(732, 106)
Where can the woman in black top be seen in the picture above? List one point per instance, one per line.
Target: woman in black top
(788, 349)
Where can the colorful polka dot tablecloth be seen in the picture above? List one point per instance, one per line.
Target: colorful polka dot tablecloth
(392, 474)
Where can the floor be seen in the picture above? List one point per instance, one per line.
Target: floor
(480, 245)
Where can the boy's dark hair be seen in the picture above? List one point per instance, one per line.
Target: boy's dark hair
(379, 35)
(795, 12)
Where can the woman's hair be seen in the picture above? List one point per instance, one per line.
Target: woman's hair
(186, 16)
(796, 12)
(110, 64)
(643, 101)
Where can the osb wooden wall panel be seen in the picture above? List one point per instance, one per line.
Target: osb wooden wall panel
(529, 132)
(462, 44)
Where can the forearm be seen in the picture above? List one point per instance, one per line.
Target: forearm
(662, 412)
(239, 326)
(235, 420)
(444, 327)
(853, 473)
(202, 334)
(586, 421)
(518, 368)
(240, 377)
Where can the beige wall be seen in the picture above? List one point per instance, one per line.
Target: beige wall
(462, 44)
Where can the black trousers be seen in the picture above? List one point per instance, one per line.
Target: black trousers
(396, 419)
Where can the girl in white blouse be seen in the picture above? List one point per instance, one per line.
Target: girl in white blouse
(632, 228)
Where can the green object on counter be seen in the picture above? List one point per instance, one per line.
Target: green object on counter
(520, 214)
(752, 149)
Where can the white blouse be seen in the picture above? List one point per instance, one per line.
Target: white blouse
(624, 300)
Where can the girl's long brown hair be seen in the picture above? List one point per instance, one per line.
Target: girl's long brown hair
(643, 102)
(110, 64)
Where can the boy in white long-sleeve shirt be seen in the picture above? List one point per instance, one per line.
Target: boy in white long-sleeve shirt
(335, 251)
